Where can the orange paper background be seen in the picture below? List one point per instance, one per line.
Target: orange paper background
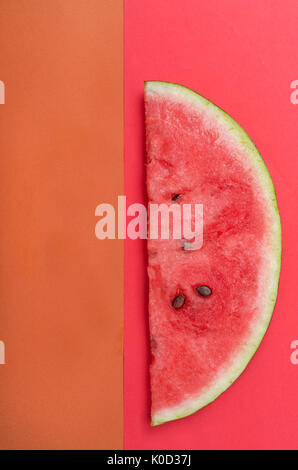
(62, 64)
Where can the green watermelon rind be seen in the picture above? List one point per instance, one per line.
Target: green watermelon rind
(241, 361)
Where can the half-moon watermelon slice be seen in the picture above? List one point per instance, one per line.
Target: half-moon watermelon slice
(208, 308)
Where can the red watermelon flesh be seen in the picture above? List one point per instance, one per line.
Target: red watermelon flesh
(196, 153)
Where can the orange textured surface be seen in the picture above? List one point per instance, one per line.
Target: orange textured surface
(61, 149)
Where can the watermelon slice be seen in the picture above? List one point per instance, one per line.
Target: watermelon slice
(209, 308)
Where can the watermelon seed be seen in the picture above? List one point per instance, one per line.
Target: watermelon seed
(178, 301)
(204, 291)
(175, 197)
(153, 342)
(187, 245)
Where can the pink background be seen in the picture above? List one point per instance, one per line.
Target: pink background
(241, 54)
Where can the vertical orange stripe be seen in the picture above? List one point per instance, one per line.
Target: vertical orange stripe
(61, 289)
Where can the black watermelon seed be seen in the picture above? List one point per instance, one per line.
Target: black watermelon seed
(175, 197)
(204, 291)
(178, 301)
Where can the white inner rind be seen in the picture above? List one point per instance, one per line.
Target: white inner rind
(271, 269)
